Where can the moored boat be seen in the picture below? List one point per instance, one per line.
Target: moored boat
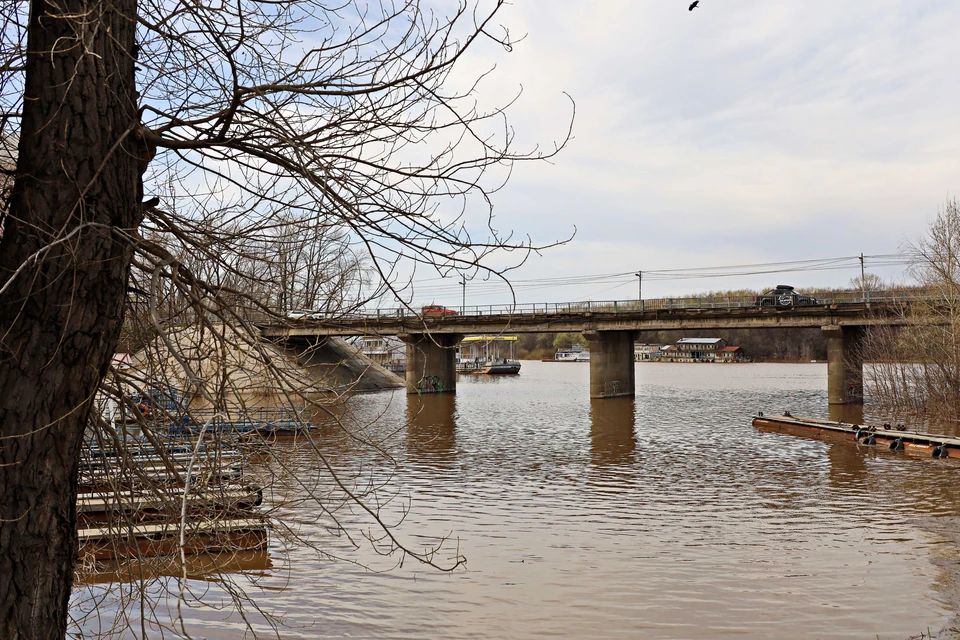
(481, 354)
(573, 353)
(499, 366)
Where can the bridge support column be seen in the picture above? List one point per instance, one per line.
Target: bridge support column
(844, 364)
(431, 362)
(612, 373)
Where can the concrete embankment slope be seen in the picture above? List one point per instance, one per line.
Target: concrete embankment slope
(255, 373)
(339, 366)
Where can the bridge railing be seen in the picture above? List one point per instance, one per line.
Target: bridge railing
(624, 306)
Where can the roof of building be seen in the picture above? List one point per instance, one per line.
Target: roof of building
(730, 349)
(493, 338)
(699, 340)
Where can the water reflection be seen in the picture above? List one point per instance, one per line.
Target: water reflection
(204, 566)
(612, 437)
(850, 413)
(431, 426)
(848, 465)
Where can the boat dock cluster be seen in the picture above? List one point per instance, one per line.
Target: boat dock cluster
(137, 500)
(174, 481)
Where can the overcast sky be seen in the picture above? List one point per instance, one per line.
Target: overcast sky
(745, 131)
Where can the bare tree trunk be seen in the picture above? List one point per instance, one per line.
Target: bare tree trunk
(77, 192)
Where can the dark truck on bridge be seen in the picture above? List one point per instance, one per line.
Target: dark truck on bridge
(783, 296)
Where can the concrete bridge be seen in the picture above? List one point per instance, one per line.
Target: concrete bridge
(431, 338)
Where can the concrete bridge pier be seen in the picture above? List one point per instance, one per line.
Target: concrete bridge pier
(431, 362)
(844, 364)
(612, 373)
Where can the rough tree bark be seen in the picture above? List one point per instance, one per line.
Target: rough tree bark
(64, 265)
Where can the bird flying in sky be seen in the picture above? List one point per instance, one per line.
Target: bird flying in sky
(694, 5)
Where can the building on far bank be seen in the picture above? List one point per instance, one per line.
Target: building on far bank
(691, 350)
(387, 351)
(643, 352)
(731, 354)
(699, 348)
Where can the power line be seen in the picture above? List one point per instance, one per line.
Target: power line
(618, 279)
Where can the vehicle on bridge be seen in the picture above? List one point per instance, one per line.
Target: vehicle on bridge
(437, 310)
(333, 315)
(783, 296)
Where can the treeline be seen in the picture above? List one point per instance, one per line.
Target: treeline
(916, 370)
(762, 345)
(537, 346)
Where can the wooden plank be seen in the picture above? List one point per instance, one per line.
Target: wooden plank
(94, 503)
(171, 528)
(157, 470)
(163, 539)
(178, 460)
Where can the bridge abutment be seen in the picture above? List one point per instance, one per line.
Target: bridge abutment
(431, 362)
(612, 373)
(844, 364)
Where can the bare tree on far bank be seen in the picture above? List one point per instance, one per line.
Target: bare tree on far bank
(162, 150)
(916, 367)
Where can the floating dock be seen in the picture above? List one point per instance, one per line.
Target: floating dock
(162, 539)
(94, 507)
(894, 438)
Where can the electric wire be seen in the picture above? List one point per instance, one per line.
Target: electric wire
(490, 287)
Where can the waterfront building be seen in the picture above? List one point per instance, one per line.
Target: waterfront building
(699, 348)
(644, 352)
(387, 351)
(731, 354)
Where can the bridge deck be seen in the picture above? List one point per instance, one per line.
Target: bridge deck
(609, 318)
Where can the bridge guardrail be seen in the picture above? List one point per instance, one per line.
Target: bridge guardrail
(622, 306)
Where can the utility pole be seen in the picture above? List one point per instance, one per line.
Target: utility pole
(639, 275)
(463, 301)
(863, 278)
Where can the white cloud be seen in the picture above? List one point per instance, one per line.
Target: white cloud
(740, 132)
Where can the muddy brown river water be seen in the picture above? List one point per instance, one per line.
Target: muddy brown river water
(662, 516)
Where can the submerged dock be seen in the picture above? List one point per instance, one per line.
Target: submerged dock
(894, 438)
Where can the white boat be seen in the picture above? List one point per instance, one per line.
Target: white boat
(574, 353)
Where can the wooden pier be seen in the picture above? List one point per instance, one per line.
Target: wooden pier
(894, 438)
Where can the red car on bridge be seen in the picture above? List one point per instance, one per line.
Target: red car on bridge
(437, 310)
